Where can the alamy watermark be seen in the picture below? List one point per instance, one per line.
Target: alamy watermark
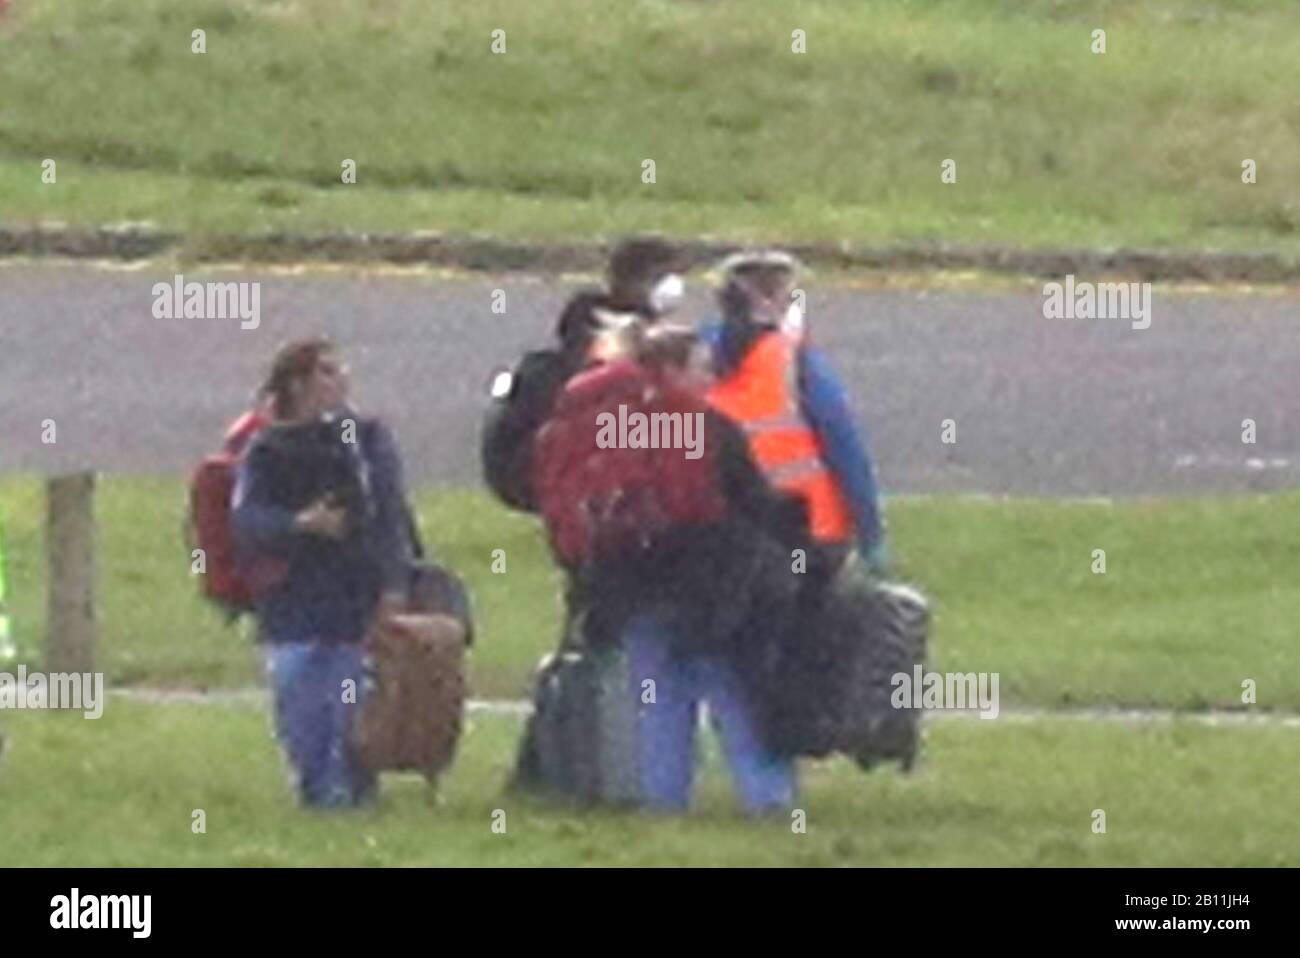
(1073, 300)
(656, 430)
(77, 911)
(181, 300)
(946, 690)
(81, 691)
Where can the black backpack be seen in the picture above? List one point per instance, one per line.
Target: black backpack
(506, 448)
(434, 588)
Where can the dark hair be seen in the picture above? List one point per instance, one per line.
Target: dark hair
(638, 260)
(293, 362)
(578, 322)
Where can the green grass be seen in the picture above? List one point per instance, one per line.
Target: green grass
(1195, 598)
(122, 791)
(1171, 623)
(1055, 145)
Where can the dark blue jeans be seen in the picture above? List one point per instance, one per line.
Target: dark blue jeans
(314, 711)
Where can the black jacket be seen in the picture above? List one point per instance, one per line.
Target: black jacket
(512, 421)
(506, 447)
(331, 587)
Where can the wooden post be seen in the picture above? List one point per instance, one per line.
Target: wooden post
(70, 543)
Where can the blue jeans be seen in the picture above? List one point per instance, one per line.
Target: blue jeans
(765, 781)
(313, 717)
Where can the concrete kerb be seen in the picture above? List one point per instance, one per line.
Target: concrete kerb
(129, 242)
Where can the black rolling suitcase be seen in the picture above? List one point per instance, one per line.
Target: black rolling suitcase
(828, 686)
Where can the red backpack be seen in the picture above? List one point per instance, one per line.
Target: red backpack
(601, 503)
(230, 580)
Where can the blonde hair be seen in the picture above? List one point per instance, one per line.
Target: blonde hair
(666, 347)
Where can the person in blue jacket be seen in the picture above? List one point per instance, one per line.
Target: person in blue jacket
(321, 488)
(758, 308)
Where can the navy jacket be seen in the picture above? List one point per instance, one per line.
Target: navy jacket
(331, 587)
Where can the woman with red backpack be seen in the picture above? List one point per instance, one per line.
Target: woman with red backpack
(320, 489)
(676, 547)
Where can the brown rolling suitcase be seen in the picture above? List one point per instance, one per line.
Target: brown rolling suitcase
(410, 718)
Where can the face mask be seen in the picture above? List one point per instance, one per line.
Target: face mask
(792, 324)
(667, 294)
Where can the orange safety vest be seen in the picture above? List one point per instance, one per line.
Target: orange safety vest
(762, 396)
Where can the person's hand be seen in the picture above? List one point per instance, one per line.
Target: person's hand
(322, 518)
(875, 559)
(390, 604)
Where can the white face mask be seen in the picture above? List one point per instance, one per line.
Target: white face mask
(667, 294)
(792, 324)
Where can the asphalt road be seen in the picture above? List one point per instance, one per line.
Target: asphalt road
(1041, 406)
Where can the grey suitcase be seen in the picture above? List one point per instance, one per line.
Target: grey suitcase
(584, 727)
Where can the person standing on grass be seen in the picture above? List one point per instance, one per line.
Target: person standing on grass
(321, 488)
(644, 285)
(676, 546)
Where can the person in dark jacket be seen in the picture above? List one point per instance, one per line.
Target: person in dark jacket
(674, 546)
(321, 488)
(645, 284)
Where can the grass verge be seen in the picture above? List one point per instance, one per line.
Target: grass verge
(1193, 600)
(122, 791)
(1055, 145)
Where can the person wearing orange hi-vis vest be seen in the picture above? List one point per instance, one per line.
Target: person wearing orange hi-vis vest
(783, 393)
(824, 681)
